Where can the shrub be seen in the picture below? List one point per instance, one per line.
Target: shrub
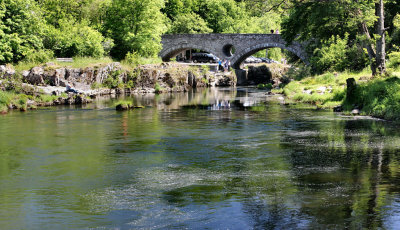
(158, 88)
(113, 80)
(394, 59)
(132, 58)
(72, 39)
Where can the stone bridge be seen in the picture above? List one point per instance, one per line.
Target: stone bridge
(222, 45)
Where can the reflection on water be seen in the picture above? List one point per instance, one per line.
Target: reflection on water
(226, 159)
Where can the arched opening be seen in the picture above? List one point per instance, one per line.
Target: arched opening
(239, 58)
(228, 50)
(193, 54)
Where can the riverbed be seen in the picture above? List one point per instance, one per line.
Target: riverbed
(228, 158)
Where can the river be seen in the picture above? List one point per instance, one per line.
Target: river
(212, 159)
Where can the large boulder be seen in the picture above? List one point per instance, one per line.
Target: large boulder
(6, 71)
(259, 74)
(35, 76)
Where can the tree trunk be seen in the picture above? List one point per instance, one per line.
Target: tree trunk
(380, 42)
(368, 45)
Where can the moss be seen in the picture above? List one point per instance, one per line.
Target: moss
(264, 86)
(158, 89)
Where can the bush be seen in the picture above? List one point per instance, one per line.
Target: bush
(113, 81)
(72, 39)
(39, 56)
(338, 55)
(394, 59)
(132, 58)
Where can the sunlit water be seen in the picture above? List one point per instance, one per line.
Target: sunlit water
(216, 159)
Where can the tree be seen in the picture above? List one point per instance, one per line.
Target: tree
(190, 23)
(21, 28)
(135, 26)
(319, 20)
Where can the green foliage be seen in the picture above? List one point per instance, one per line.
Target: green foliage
(135, 26)
(113, 81)
(264, 86)
(5, 98)
(158, 89)
(394, 59)
(337, 55)
(379, 98)
(132, 58)
(299, 73)
(21, 27)
(47, 98)
(225, 16)
(190, 23)
(124, 103)
(96, 85)
(72, 39)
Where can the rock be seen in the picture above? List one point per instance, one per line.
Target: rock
(6, 70)
(25, 74)
(191, 79)
(338, 109)
(35, 77)
(122, 107)
(309, 91)
(242, 76)
(321, 90)
(225, 80)
(355, 112)
(260, 74)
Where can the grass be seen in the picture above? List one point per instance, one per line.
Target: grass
(140, 61)
(374, 96)
(326, 91)
(124, 103)
(79, 62)
(379, 98)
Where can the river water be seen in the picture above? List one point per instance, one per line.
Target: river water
(216, 159)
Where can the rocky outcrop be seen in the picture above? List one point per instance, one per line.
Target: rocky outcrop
(113, 79)
(258, 75)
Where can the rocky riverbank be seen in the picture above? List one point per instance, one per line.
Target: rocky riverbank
(27, 89)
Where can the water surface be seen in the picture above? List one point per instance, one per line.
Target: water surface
(217, 159)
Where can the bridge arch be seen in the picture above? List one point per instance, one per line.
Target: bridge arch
(171, 52)
(244, 53)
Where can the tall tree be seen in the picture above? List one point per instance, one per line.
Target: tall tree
(320, 20)
(135, 26)
(380, 41)
(21, 27)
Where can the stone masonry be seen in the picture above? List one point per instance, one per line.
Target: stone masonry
(222, 45)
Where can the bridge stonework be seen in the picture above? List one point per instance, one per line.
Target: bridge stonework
(221, 45)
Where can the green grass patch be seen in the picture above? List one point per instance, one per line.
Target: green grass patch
(379, 98)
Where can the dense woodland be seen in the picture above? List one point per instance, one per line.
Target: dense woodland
(342, 34)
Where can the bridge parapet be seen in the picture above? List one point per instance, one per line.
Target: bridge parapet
(221, 45)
